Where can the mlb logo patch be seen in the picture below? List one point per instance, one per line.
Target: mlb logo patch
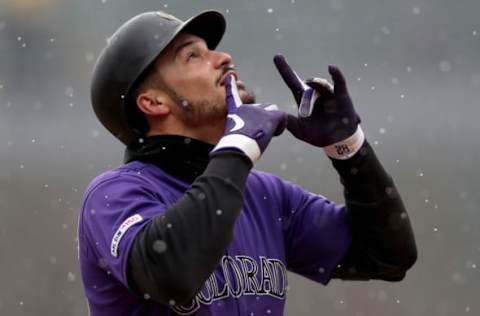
(117, 237)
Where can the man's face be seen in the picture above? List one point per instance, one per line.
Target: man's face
(194, 77)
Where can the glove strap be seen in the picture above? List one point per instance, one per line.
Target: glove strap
(244, 143)
(345, 149)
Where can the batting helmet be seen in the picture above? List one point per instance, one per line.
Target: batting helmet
(129, 52)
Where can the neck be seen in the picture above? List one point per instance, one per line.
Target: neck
(182, 157)
(207, 133)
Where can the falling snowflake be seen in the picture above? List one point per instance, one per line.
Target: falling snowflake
(69, 91)
(89, 56)
(52, 260)
(159, 246)
(94, 133)
(385, 30)
(71, 277)
(445, 66)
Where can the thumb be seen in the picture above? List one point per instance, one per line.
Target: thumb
(232, 98)
(293, 126)
(282, 123)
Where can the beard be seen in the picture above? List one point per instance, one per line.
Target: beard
(206, 111)
(246, 95)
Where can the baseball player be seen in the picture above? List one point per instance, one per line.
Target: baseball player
(186, 226)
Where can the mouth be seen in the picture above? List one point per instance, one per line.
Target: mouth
(221, 80)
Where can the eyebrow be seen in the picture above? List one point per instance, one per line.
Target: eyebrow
(182, 46)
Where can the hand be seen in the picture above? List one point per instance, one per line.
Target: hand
(326, 115)
(249, 127)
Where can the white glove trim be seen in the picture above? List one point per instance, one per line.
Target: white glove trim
(246, 144)
(345, 149)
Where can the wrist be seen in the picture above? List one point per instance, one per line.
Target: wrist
(348, 147)
(240, 142)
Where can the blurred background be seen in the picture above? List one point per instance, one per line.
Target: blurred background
(413, 71)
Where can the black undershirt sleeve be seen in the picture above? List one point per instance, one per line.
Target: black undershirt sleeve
(194, 233)
(383, 245)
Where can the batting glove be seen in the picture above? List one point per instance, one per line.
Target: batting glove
(326, 117)
(249, 127)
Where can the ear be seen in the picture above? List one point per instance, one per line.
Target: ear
(153, 102)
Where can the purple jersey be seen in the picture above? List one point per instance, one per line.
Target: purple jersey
(281, 227)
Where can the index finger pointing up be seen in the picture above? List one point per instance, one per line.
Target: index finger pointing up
(232, 98)
(290, 77)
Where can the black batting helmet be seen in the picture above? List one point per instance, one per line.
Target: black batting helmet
(129, 52)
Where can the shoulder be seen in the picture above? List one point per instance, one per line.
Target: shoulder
(268, 180)
(260, 181)
(265, 183)
(121, 173)
(134, 176)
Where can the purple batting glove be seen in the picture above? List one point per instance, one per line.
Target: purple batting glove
(326, 116)
(249, 127)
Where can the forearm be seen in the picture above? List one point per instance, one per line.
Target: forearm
(383, 245)
(176, 252)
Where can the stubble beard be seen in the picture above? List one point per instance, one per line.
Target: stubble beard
(205, 111)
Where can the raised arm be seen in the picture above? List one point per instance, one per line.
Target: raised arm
(383, 244)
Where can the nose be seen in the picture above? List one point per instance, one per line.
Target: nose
(221, 59)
